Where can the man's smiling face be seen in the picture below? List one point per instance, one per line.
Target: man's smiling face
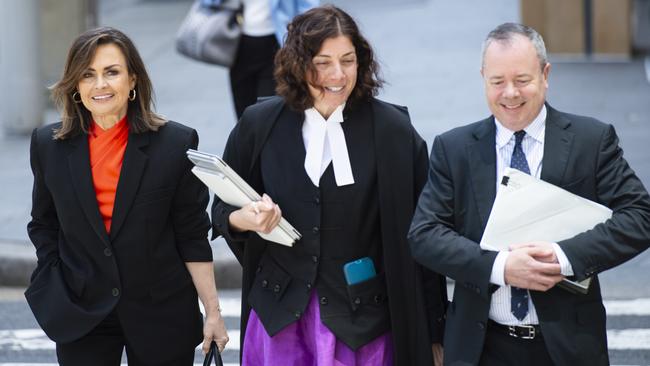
(515, 83)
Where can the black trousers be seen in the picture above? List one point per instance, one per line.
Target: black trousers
(251, 76)
(104, 345)
(501, 349)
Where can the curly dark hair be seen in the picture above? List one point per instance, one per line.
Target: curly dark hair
(305, 36)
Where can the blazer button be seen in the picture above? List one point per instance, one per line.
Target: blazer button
(107, 252)
(314, 259)
(116, 292)
(323, 300)
(259, 268)
(308, 285)
(276, 288)
(317, 200)
(379, 298)
(265, 283)
(297, 314)
(315, 230)
(357, 301)
(480, 325)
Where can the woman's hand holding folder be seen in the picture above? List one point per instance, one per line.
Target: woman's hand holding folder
(261, 216)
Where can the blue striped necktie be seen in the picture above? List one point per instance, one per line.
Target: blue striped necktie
(519, 296)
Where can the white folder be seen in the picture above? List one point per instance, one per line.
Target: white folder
(528, 209)
(233, 190)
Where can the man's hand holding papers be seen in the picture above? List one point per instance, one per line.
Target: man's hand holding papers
(533, 266)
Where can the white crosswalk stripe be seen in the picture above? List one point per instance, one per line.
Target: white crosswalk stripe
(21, 341)
(35, 339)
(628, 339)
(229, 307)
(628, 307)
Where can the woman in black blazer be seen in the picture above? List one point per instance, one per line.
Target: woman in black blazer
(118, 219)
(346, 169)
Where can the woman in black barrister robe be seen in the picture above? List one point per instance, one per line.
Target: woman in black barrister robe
(346, 170)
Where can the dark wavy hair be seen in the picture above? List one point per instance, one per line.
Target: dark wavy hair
(75, 117)
(305, 36)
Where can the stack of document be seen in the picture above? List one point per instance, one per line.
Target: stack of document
(528, 209)
(233, 190)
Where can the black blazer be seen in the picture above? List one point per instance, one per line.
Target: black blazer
(159, 223)
(582, 156)
(416, 315)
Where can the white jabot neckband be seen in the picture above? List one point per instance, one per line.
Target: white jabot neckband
(316, 130)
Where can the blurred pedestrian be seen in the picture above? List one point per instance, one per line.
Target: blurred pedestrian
(263, 30)
(118, 219)
(346, 170)
(507, 309)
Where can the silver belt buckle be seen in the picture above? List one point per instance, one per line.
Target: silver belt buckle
(512, 331)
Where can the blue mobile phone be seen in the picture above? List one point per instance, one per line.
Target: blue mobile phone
(359, 270)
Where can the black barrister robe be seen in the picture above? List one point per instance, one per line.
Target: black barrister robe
(417, 298)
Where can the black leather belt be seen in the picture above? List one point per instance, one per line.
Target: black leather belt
(517, 331)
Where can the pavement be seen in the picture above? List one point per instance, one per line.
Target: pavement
(429, 51)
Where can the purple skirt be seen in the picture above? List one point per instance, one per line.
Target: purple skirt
(308, 342)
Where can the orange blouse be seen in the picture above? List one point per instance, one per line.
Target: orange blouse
(106, 156)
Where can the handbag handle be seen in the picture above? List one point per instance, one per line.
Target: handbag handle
(213, 354)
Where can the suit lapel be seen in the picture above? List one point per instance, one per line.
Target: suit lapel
(557, 146)
(483, 167)
(271, 112)
(80, 171)
(135, 161)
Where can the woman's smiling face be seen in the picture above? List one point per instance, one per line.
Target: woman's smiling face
(104, 86)
(336, 74)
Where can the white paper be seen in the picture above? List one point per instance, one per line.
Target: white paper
(528, 209)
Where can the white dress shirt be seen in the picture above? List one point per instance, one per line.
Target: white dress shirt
(533, 147)
(324, 143)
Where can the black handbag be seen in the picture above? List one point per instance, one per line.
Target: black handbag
(211, 33)
(213, 354)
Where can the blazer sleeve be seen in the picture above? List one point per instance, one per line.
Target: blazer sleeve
(435, 240)
(434, 285)
(43, 229)
(627, 233)
(189, 216)
(238, 161)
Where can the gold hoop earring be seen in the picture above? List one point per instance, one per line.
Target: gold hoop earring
(132, 97)
(76, 100)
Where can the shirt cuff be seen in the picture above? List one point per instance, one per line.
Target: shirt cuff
(499, 268)
(565, 265)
